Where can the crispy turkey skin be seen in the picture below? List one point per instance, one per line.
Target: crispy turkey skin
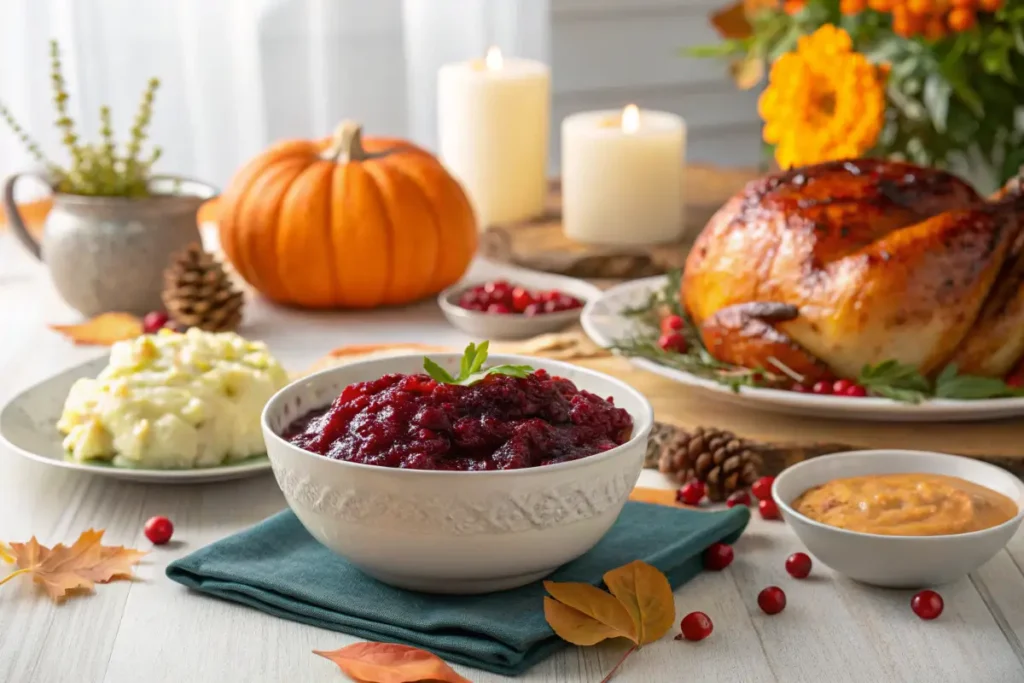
(876, 260)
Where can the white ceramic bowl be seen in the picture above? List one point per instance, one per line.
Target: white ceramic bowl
(513, 326)
(453, 532)
(897, 561)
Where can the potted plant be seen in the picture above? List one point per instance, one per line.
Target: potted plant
(113, 225)
(930, 81)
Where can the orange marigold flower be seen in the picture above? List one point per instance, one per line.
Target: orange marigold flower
(824, 101)
(851, 7)
(962, 19)
(793, 6)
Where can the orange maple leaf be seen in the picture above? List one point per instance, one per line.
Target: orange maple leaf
(103, 330)
(78, 567)
(391, 663)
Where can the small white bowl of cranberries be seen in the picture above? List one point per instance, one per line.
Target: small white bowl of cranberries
(529, 304)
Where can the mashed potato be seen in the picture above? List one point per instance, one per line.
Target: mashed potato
(173, 400)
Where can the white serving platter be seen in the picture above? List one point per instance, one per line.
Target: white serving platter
(28, 428)
(604, 323)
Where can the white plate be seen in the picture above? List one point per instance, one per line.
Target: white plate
(603, 322)
(28, 427)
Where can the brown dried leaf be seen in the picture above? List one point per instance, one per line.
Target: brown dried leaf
(391, 663)
(103, 330)
(71, 568)
(585, 615)
(647, 596)
(731, 22)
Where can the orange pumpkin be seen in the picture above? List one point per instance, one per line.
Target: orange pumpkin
(347, 222)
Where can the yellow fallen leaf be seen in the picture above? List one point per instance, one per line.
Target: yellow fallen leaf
(666, 497)
(747, 72)
(391, 663)
(5, 554)
(70, 568)
(647, 596)
(103, 330)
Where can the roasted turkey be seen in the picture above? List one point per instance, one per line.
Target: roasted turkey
(831, 267)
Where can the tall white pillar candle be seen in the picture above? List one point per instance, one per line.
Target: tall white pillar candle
(622, 176)
(493, 133)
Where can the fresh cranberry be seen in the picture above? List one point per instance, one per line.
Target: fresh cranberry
(696, 626)
(762, 488)
(798, 388)
(927, 605)
(718, 556)
(533, 309)
(521, 298)
(856, 391)
(497, 286)
(158, 530)
(824, 388)
(672, 341)
(768, 509)
(671, 323)
(840, 386)
(499, 308)
(771, 600)
(154, 321)
(740, 497)
(692, 493)
(548, 295)
(798, 565)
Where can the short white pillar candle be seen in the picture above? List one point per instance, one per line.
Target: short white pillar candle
(622, 176)
(493, 133)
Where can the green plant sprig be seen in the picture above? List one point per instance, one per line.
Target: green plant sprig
(888, 379)
(94, 170)
(471, 369)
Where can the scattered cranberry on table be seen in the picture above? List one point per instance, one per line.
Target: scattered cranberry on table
(927, 605)
(798, 388)
(154, 321)
(692, 493)
(771, 600)
(718, 556)
(158, 530)
(768, 509)
(798, 565)
(762, 488)
(501, 297)
(671, 323)
(672, 341)
(695, 626)
(740, 497)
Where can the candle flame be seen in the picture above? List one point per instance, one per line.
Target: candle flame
(630, 119)
(493, 59)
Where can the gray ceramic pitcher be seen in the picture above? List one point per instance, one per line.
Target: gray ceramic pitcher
(109, 253)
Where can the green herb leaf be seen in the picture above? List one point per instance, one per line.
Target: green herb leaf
(895, 380)
(471, 367)
(950, 384)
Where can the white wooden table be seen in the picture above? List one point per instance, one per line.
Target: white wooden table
(152, 630)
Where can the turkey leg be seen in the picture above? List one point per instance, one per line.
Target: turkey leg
(745, 335)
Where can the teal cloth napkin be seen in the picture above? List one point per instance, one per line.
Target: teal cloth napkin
(278, 568)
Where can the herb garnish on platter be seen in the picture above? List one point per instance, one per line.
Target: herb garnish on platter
(471, 369)
(888, 379)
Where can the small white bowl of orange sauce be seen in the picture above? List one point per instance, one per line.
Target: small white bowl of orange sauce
(900, 519)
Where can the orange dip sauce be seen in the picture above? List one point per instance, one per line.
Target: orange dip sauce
(906, 505)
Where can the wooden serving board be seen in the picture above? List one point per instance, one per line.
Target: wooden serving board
(786, 439)
(540, 244)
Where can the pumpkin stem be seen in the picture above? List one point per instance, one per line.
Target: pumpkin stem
(347, 144)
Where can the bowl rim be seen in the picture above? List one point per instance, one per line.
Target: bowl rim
(880, 452)
(640, 431)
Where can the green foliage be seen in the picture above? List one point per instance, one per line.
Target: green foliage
(958, 99)
(471, 369)
(95, 169)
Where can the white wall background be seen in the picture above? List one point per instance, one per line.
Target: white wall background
(238, 74)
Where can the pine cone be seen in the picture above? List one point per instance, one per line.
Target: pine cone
(718, 458)
(198, 292)
(661, 435)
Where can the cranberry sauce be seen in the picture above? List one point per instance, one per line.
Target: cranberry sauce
(498, 423)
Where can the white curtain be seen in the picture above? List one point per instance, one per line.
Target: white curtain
(239, 74)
